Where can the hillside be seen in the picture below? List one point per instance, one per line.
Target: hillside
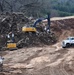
(40, 7)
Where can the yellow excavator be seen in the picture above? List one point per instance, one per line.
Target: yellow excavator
(11, 44)
(33, 27)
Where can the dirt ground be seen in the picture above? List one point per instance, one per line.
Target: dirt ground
(47, 60)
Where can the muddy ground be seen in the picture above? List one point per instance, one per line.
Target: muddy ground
(47, 60)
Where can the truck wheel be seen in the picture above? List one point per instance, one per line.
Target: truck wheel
(67, 45)
(63, 47)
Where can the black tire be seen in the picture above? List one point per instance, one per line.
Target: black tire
(67, 45)
(63, 47)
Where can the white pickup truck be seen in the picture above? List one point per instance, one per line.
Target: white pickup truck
(68, 42)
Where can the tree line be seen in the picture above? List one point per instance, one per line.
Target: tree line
(38, 8)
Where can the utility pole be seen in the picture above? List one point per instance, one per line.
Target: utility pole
(48, 18)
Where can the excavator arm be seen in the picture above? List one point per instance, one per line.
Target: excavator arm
(41, 19)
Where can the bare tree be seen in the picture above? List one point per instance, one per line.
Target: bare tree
(32, 7)
(2, 5)
(29, 7)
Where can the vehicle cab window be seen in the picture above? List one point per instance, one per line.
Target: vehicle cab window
(72, 38)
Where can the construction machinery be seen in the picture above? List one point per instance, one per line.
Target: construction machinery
(11, 44)
(33, 27)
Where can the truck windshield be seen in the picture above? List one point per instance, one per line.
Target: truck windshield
(70, 38)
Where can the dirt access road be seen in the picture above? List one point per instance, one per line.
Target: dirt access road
(47, 60)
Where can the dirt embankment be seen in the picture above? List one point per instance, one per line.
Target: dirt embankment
(63, 27)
